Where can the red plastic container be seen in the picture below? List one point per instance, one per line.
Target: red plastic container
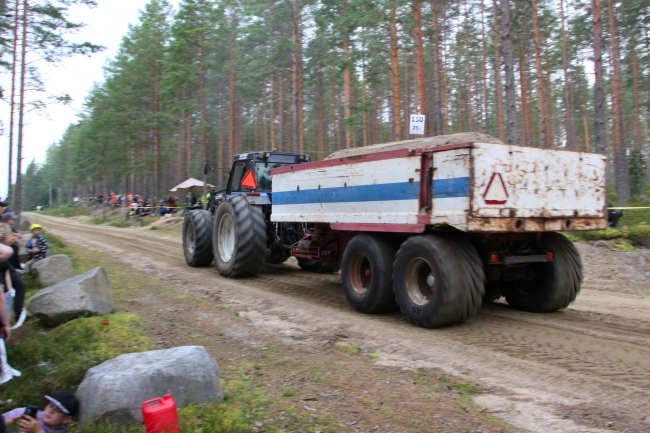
(160, 415)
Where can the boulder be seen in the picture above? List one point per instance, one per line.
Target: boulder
(52, 270)
(113, 392)
(89, 294)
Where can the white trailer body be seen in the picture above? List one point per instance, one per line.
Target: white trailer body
(472, 187)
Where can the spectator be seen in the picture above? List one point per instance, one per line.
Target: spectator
(613, 215)
(14, 268)
(36, 245)
(56, 416)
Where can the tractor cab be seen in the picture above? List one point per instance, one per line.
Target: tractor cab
(250, 175)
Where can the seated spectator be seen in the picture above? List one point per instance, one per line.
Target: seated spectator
(56, 416)
(613, 215)
(36, 245)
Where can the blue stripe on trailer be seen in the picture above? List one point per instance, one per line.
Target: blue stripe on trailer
(442, 188)
(349, 194)
(451, 188)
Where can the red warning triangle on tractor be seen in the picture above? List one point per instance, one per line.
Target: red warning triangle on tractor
(249, 181)
(496, 192)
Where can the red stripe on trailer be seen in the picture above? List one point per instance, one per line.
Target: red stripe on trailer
(380, 156)
(386, 228)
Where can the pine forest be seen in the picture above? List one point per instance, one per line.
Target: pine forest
(194, 85)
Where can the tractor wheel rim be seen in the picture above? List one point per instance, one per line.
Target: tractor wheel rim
(360, 273)
(190, 235)
(226, 238)
(420, 281)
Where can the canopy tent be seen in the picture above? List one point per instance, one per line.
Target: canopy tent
(190, 185)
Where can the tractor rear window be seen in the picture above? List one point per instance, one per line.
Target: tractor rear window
(263, 174)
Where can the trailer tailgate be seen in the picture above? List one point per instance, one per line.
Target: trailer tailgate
(527, 182)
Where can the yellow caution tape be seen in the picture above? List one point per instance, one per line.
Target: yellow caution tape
(626, 208)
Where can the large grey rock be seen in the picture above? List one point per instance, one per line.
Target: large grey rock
(52, 270)
(114, 391)
(89, 294)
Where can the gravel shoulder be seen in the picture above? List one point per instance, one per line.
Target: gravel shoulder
(584, 369)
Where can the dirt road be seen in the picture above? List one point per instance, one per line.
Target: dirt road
(583, 369)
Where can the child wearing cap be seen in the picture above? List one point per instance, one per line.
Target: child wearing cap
(36, 245)
(57, 414)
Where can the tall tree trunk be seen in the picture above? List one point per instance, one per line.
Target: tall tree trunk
(272, 110)
(334, 113)
(599, 86)
(281, 127)
(587, 138)
(498, 90)
(509, 64)
(12, 103)
(541, 108)
(486, 112)
(437, 70)
(469, 75)
(394, 63)
(420, 79)
(180, 151)
(407, 96)
(220, 148)
(21, 111)
(347, 81)
(620, 146)
(295, 124)
(526, 124)
(548, 116)
(569, 112)
(301, 87)
(320, 107)
(232, 99)
(636, 124)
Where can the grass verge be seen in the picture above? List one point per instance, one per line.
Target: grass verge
(65, 210)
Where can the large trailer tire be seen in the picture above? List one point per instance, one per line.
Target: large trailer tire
(556, 283)
(239, 238)
(197, 238)
(366, 273)
(317, 267)
(438, 280)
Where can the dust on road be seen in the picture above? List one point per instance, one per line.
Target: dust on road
(584, 369)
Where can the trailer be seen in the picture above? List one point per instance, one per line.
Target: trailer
(434, 227)
(437, 226)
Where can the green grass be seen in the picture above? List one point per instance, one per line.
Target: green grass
(65, 210)
(56, 359)
(627, 238)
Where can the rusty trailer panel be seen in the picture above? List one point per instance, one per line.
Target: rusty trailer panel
(473, 187)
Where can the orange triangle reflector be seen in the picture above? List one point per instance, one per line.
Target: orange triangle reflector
(249, 181)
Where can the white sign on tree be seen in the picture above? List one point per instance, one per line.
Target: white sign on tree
(417, 124)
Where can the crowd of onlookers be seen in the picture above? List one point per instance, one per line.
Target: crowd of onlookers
(62, 405)
(137, 205)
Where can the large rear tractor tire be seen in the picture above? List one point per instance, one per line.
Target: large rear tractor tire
(366, 273)
(438, 280)
(317, 267)
(197, 238)
(239, 238)
(556, 283)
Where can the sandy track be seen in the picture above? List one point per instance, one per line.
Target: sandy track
(583, 369)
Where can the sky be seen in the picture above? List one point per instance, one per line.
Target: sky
(106, 24)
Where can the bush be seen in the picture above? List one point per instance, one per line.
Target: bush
(66, 210)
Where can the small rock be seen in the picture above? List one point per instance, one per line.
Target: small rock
(114, 391)
(52, 270)
(641, 260)
(601, 244)
(89, 294)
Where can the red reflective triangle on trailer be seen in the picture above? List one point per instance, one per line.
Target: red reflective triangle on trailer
(496, 192)
(249, 181)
